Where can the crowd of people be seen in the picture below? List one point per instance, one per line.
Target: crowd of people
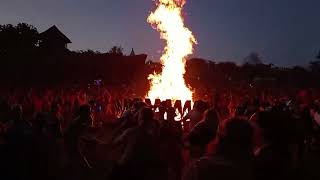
(99, 133)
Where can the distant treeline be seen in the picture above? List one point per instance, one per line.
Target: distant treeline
(201, 72)
(29, 58)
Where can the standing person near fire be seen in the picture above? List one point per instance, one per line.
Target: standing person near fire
(203, 133)
(73, 137)
(195, 115)
(140, 158)
(233, 156)
(171, 144)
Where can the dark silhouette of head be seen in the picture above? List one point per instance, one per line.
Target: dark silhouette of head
(200, 106)
(256, 102)
(162, 107)
(235, 136)
(274, 126)
(4, 109)
(85, 111)
(171, 114)
(16, 112)
(137, 106)
(55, 107)
(196, 105)
(211, 117)
(145, 116)
(4, 106)
(85, 114)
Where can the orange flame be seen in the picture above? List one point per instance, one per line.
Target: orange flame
(168, 20)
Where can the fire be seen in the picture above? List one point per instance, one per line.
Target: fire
(168, 20)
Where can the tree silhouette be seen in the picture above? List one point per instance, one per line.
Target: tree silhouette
(116, 50)
(253, 59)
(314, 66)
(23, 37)
(88, 52)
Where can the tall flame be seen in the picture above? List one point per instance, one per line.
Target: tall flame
(168, 20)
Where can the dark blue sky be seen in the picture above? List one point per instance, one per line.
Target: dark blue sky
(283, 32)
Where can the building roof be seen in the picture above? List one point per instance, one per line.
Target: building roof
(54, 32)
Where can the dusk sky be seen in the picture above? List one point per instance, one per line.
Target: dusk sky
(283, 32)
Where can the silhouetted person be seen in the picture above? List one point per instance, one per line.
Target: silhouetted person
(253, 107)
(171, 143)
(52, 127)
(52, 139)
(4, 111)
(140, 159)
(20, 130)
(203, 133)
(40, 147)
(20, 142)
(129, 118)
(196, 114)
(76, 107)
(273, 157)
(162, 111)
(4, 122)
(73, 139)
(233, 156)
